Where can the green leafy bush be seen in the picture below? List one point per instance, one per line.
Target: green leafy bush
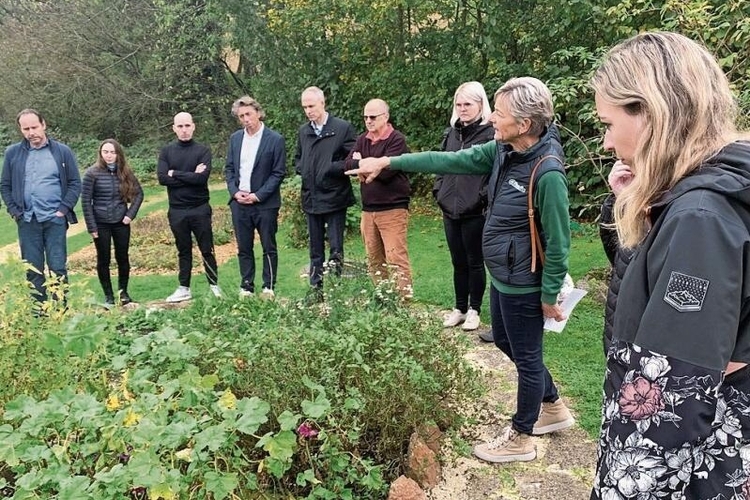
(236, 399)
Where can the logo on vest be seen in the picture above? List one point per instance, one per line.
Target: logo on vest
(686, 293)
(517, 186)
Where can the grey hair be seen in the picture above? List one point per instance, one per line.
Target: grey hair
(528, 97)
(473, 91)
(246, 100)
(316, 92)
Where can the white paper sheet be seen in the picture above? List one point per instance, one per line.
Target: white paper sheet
(568, 304)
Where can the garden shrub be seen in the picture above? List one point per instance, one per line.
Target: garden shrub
(238, 399)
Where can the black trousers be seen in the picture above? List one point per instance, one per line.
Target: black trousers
(464, 237)
(119, 234)
(248, 219)
(193, 221)
(319, 226)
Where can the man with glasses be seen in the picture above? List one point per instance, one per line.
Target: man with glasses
(385, 201)
(323, 144)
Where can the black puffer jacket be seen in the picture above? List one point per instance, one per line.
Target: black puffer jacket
(101, 200)
(460, 196)
(619, 258)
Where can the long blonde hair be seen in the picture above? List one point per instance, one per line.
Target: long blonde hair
(688, 109)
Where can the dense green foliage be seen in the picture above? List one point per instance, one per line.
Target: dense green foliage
(225, 397)
(124, 67)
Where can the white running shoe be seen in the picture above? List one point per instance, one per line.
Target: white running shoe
(215, 290)
(471, 322)
(180, 295)
(454, 318)
(267, 293)
(245, 293)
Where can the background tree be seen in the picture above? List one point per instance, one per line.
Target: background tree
(124, 67)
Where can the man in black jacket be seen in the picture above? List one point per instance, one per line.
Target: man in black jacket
(322, 146)
(184, 167)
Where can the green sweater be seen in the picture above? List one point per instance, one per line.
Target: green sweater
(550, 198)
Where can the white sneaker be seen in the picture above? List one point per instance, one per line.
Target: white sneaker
(180, 295)
(245, 293)
(454, 318)
(215, 290)
(471, 322)
(267, 293)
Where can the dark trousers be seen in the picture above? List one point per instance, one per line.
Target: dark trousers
(319, 225)
(247, 219)
(518, 327)
(464, 237)
(119, 234)
(195, 221)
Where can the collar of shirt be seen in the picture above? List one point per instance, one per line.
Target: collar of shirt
(318, 128)
(256, 134)
(387, 131)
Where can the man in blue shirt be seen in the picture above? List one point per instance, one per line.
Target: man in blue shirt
(40, 185)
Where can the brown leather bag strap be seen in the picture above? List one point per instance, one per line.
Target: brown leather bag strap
(536, 239)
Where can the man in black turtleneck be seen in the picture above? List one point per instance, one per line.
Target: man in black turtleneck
(184, 167)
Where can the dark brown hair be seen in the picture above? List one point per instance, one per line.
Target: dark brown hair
(128, 182)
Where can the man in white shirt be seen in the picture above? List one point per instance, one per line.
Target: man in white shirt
(255, 167)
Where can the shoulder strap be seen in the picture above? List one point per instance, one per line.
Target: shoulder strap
(536, 239)
(446, 133)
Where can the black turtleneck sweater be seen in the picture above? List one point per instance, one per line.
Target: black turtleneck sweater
(185, 188)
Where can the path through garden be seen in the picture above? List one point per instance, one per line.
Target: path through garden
(565, 462)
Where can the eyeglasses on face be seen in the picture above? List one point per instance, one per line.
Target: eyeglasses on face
(372, 117)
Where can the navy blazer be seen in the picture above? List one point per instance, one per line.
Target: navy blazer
(269, 168)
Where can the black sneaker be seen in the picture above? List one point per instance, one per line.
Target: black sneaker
(125, 298)
(487, 336)
(109, 300)
(314, 296)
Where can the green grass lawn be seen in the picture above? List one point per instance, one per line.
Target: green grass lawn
(574, 356)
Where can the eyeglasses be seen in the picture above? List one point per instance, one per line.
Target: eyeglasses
(372, 117)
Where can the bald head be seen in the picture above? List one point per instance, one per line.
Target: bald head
(183, 126)
(376, 116)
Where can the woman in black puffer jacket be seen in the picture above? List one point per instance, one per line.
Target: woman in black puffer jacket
(111, 197)
(463, 200)
(618, 256)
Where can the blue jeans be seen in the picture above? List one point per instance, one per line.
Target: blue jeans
(518, 327)
(318, 225)
(248, 219)
(40, 241)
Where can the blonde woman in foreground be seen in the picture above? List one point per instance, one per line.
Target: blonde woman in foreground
(676, 412)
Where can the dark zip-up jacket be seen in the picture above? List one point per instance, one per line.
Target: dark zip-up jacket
(674, 425)
(101, 200)
(460, 196)
(619, 258)
(14, 172)
(319, 160)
